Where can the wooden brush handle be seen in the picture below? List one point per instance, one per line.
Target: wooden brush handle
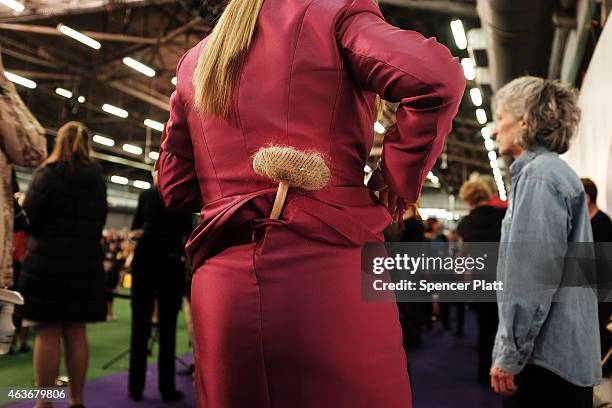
(279, 201)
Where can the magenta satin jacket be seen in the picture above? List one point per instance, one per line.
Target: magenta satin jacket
(310, 81)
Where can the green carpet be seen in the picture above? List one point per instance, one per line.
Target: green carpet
(106, 340)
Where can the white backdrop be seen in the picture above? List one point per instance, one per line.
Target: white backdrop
(591, 150)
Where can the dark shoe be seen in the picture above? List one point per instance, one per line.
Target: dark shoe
(172, 396)
(25, 349)
(135, 396)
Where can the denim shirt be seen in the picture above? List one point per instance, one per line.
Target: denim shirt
(548, 206)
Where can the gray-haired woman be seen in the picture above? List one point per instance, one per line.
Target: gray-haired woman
(547, 346)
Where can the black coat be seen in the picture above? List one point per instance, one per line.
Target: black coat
(63, 277)
(482, 224)
(164, 235)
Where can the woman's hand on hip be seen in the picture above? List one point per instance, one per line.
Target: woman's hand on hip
(394, 203)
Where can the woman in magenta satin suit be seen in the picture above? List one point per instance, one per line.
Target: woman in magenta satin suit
(277, 304)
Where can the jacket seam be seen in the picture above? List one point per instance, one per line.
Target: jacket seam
(297, 40)
(178, 67)
(212, 163)
(333, 117)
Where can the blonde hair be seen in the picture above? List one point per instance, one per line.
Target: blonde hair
(221, 61)
(475, 191)
(71, 145)
(219, 65)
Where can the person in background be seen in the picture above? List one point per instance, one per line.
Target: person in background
(158, 273)
(413, 225)
(547, 350)
(600, 221)
(482, 224)
(22, 142)
(20, 240)
(434, 233)
(62, 278)
(602, 232)
(434, 230)
(495, 200)
(113, 263)
(414, 316)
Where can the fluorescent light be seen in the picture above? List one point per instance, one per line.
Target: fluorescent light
(154, 155)
(80, 37)
(103, 140)
(476, 96)
(173, 80)
(28, 83)
(63, 92)
(130, 148)
(153, 124)
(432, 177)
(15, 5)
(459, 34)
(481, 116)
(119, 180)
(141, 184)
(113, 110)
(67, 94)
(379, 128)
(468, 69)
(486, 132)
(139, 66)
(489, 144)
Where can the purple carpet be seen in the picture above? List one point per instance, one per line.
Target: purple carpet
(111, 391)
(443, 376)
(444, 371)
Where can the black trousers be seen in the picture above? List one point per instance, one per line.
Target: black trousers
(487, 329)
(158, 277)
(538, 387)
(445, 314)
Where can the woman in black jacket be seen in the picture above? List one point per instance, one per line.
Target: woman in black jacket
(62, 279)
(482, 224)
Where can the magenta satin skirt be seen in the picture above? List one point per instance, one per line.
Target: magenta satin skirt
(279, 322)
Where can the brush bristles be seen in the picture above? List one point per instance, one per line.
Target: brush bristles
(303, 170)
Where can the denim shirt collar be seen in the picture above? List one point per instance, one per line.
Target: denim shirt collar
(525, 158)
